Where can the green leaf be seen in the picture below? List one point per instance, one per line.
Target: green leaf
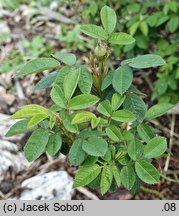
(58, 96)
(161, 20)
(117, 101)
(155, 147)
(108, 18)
(95, 122)
(67, 58)
(76, 153)
(89, 133)
(38, 65)
(158, 110)
(61, 75)
(114, 133)
(95, 146)
(133, 28)
(136, 105)
(105, 108)
(147, 172)
(54, 144)
(36, 119)
(144, 28)
(36, 144)
(46, 81)
(145, 132)
(82, 117)
(86, 174)
(89, 160)
(94, 31)
(95, 184)
(70, 83)
(123, 116)
(128, 177)
(173, 23)
(146, 61)
(107, 80)
(122, 79)
(106, 179)
(135, 149)
(107, 156)
(85, 81)
(116, 174)
(134, 90)
(121, 38)
(82, 101)
(136, 188)
(18, 127)
(66, 119)
(52, 120)
(28, 111)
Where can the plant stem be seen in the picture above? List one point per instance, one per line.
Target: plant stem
(169, 179)
(146, 78)
(156, 193)
(66, 132)
(170, 143)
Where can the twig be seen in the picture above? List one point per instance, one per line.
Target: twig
(19, 90)
(87, 193)
(156, 193)
(146, 78)
(3, 196)
(163, 128)
(170, 143)
(169, 179)
(172, 172)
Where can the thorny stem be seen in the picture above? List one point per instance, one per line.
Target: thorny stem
(152, 191)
